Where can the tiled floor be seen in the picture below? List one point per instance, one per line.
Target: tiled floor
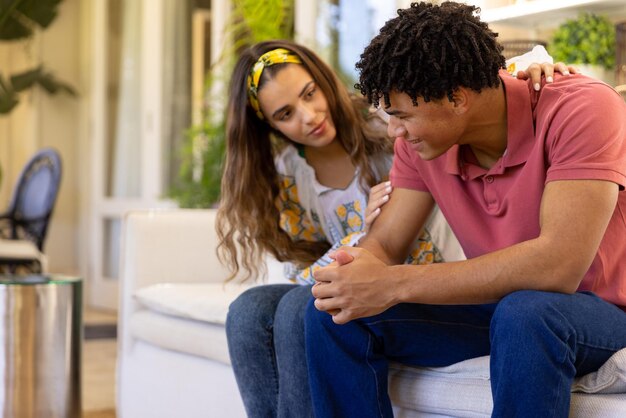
(99, 357)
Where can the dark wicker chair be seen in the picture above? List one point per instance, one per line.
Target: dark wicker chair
(25, 222)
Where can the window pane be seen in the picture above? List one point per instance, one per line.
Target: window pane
(186, 63)
(123, 139)
(345, 27)
(179, 18)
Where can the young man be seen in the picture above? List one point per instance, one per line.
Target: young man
(532, 185)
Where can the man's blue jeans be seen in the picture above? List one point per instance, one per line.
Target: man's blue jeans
(538, 341)
(265, 330)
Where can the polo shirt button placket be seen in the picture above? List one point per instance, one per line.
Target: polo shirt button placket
(490, 196)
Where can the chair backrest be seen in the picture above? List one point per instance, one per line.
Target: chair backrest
(34, 196)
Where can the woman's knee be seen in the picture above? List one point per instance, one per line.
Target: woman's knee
(290, 310)
(255, 308)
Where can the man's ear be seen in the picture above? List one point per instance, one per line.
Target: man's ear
(461, 99)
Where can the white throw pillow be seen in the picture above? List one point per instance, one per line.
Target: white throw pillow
(206, 302)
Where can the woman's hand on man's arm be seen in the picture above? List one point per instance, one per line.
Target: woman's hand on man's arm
(379, 195)
(536, 70)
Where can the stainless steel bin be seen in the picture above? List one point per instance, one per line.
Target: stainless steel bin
(40, 346)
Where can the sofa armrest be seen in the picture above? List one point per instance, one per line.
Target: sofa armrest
(173, 245)
(169, 246)
(164, 246)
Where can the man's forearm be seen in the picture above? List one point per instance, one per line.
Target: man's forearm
(556, 260)
(397, 226)
(375, 247)
(484, 279)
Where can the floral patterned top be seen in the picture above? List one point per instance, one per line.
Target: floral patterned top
(313, 212)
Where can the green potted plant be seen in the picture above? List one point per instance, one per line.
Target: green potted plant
(589, 42)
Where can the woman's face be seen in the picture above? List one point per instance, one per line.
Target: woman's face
(293, 104)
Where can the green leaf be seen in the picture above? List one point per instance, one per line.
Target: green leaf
(53, 86)
(26, 79)
(8, 99)
(11, 28)
(7, 7)
(19, 18)
(41, 12)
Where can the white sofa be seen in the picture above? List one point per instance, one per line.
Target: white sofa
(173, 359)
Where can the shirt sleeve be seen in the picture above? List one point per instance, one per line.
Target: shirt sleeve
(404, 171)
(586, 138)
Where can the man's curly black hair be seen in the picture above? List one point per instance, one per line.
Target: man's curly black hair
(430, 51)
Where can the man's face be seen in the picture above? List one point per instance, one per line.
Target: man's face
(430, 128)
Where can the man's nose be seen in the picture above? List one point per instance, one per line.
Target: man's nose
(395, 129)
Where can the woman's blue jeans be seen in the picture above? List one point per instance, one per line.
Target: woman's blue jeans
(265, 331)
(538, 342)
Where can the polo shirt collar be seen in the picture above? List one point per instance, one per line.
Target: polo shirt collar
(521, 130)
(461, 162)
(453, 160)
(521, 126)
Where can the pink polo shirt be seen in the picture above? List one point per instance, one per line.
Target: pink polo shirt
(572, 129)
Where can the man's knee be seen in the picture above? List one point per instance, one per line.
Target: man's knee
(525, 311)
(314, 318)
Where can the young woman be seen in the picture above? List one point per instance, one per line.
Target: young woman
(302, 155)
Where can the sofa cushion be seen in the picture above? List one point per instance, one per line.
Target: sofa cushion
(188, 336)
(206, 302)
(460, 390)
(464, 389)
(610, 378)
(189, 318)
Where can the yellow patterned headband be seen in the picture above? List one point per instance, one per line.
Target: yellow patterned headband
(275, 56)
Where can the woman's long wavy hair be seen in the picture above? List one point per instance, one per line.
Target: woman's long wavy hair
(248, 216)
